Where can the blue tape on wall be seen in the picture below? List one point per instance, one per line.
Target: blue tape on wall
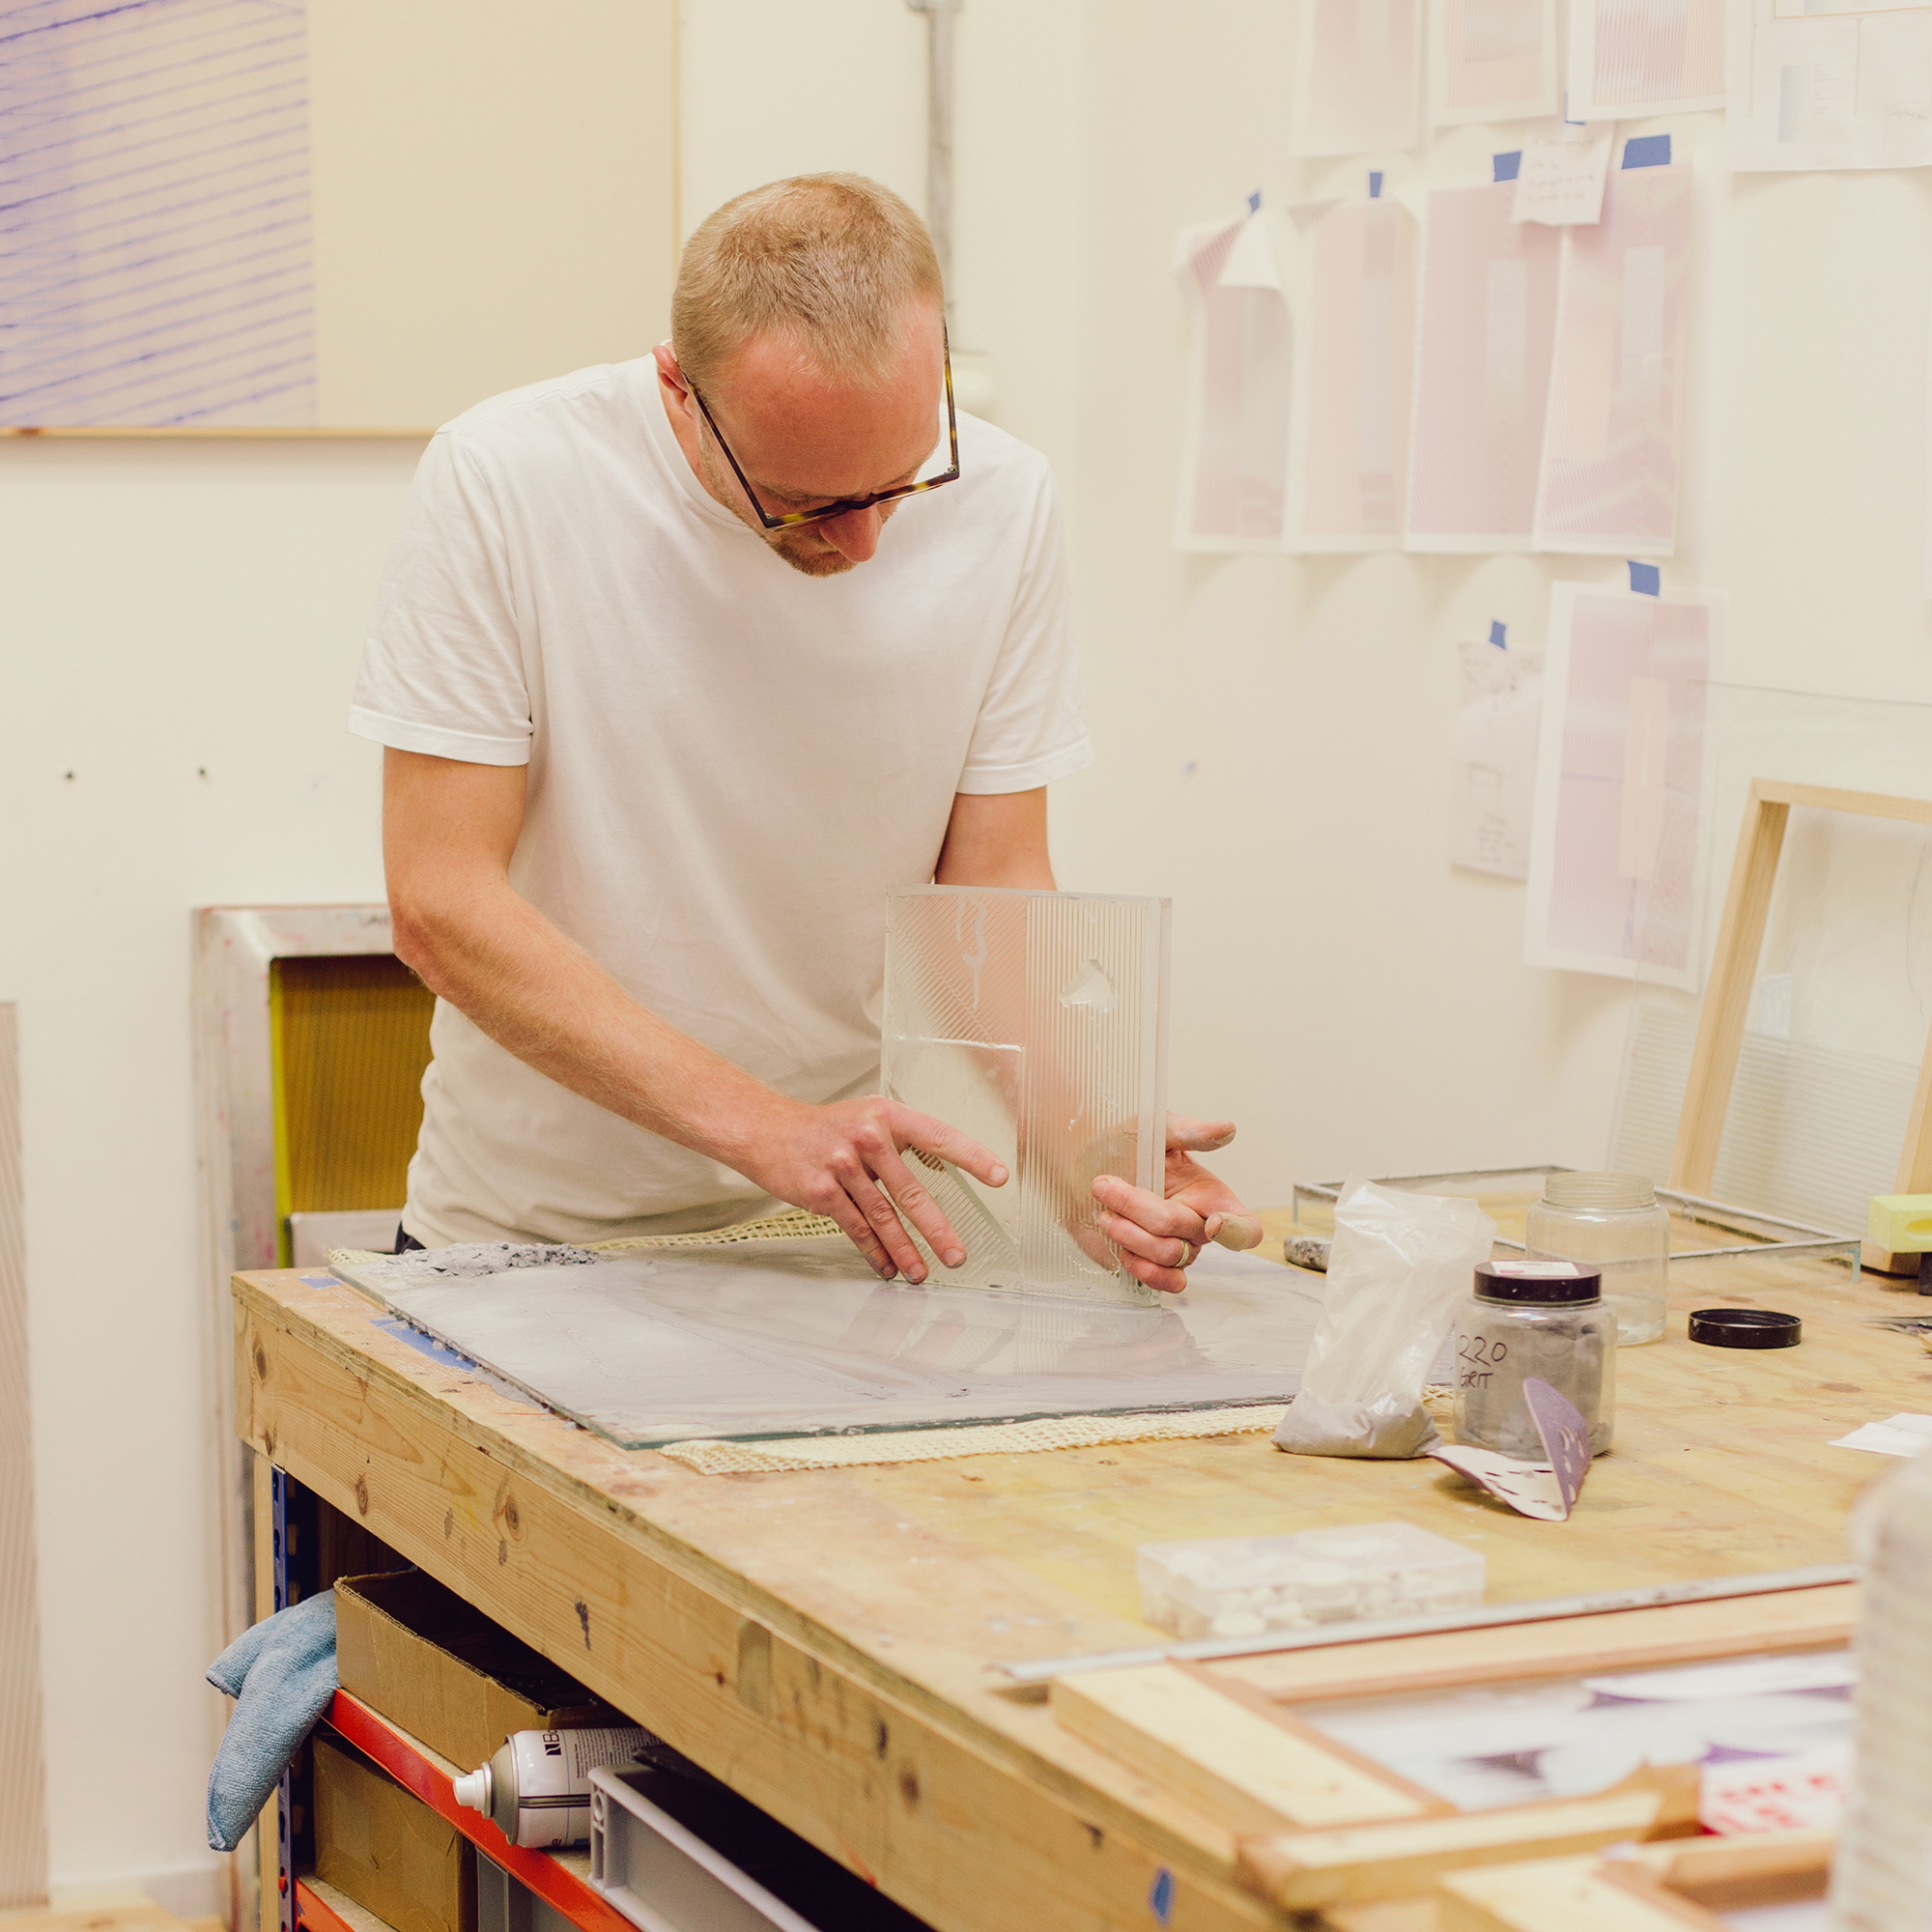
(1255, 202)
(1647, 151)
(1507, 166)
(1646, 579)
(1499, 634)
(1375, 184)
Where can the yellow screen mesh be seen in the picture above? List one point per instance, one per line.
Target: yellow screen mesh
(351, 1040)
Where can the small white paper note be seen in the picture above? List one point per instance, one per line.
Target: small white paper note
(1560, 180)
(1495, 760)
(1804, 1792)
(1895, 1436)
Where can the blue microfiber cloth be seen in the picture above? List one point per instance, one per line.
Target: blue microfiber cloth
(282, 1673)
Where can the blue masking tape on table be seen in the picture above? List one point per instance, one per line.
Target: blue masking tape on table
(282, 1674)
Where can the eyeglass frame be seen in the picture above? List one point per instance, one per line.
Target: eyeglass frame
(843, 505)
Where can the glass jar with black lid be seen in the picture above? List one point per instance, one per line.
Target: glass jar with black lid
(1540, 1318)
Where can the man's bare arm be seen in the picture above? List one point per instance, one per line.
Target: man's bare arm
(448, 831)
(997, 838)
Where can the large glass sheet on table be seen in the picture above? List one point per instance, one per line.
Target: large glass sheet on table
(1033, 1022)
(1842, 998)
(800, 1337)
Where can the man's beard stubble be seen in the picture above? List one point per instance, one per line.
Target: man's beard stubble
(808, 553)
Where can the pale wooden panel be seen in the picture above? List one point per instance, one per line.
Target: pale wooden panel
(494, 193)
(1645, 1639)
(1257, 1772)
(1662, 1888)
(1721, 1021)
(1308, 1870)
(23, 1826)
(1556, 1895)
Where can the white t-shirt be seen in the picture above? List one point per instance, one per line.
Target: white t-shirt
(729, 762)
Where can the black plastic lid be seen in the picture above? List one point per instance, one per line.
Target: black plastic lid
(1744, 1329)
(1537, 1281)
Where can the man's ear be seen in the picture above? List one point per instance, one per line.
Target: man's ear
(669, 375)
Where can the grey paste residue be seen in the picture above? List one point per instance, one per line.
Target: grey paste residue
(470, 1261)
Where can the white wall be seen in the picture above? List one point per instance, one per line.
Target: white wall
(181, 623)
(1347, 997)
(1351, 1000)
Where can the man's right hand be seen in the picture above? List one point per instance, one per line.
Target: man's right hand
(842, 1160)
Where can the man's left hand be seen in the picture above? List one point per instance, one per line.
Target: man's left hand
(1159, 1238)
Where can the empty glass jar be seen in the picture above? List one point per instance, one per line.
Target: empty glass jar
(1615, 1224)
(1540, 1318)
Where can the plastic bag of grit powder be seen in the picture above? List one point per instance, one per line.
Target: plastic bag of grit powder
(1399, 1268)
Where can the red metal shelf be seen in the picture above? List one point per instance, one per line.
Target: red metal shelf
(556, 1884)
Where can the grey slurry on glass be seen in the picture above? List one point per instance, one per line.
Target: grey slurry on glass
(789, 1338)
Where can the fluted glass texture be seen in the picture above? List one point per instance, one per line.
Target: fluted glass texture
(1036, 1023)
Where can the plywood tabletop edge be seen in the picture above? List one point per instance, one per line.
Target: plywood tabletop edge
(277, 1309)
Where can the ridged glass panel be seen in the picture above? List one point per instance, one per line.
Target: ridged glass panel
(1033, 1022)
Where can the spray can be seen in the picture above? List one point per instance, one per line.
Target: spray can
(536, 1789)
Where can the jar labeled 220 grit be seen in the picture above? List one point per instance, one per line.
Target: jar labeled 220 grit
(1546, 1319)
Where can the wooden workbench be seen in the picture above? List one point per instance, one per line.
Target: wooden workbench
(822, 1640)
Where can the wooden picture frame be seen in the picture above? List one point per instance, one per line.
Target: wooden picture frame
(1721, 1021)
(1320, 1827)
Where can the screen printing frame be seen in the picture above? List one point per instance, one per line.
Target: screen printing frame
(1726, 1002)
(1318, 1826)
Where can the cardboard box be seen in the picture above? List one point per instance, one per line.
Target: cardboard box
(387, 1849)
(439, 1668)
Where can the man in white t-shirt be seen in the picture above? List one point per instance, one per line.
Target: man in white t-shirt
(667, 715)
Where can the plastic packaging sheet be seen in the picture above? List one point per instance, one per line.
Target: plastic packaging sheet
(1399, 1268)
(800, 1337)
(1033, 1023)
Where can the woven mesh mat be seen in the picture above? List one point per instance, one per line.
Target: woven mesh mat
(710, 1458)
(991, 1438)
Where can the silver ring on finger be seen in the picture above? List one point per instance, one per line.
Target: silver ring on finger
(1187, 1253)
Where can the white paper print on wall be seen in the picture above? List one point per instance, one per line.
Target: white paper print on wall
(1357, 77)
(1818, 86)
(1620, 781)
(1354, 371)
(1233, 470)
(1486, 327)
(1492, 60)
(1608, 483)
(1632, 58)
(1494, 780)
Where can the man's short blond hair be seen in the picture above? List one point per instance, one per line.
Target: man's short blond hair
(829, 262)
